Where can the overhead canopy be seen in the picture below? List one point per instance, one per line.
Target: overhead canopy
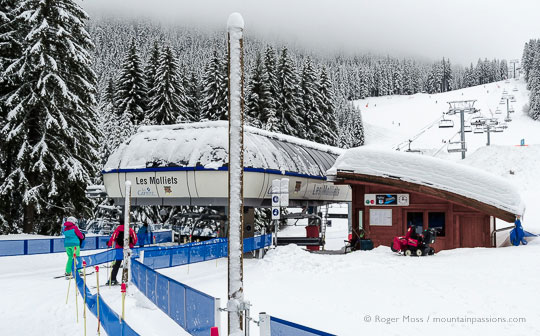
(440, 178)
(205, 145)
(186, 164)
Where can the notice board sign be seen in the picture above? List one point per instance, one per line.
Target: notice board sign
(380, 217)
(386, 199)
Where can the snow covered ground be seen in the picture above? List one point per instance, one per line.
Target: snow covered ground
(366, 292)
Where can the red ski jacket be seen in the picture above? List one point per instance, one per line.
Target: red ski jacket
(120, 228)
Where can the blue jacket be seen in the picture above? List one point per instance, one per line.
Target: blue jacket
(143, 235)
(72, 235)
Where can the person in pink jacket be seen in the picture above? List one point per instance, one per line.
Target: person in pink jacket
(72, 241)
(117, 239)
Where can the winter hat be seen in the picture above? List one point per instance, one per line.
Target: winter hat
(72, 220)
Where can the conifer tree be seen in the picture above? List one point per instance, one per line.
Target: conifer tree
(51, 122)
(192, 98)
(312, 115)
(10, 51)
(150, 72)
(167, 105)
(214, 105)
(131, 89)
(328, 120)
(289, 97)
(260, 105)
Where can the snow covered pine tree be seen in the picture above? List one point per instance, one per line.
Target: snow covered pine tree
(51, 124)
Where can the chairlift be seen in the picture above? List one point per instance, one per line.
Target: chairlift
(455, 147)
(498, 111)
(513, 100)
(446, 123)
(503, 125)
(478, 130)
(511, 109)
(492, 121)
(498, 129)
(508, 119)
(477, 121)
(502, 102)
(467, 128)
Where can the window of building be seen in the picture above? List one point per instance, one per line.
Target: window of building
(437, 221)
(416, 219)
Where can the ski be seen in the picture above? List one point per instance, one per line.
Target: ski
(70, 277)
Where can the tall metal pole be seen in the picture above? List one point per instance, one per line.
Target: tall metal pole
(462, 117)
(236, 304)
(127, 251)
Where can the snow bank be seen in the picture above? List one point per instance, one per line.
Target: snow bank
(436, 173)
(206, 144)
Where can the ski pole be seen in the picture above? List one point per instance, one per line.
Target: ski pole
(73, 274)
(123, 290)
(84, 306)
(97, 279)
(69, 285)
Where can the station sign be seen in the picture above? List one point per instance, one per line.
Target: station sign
(276, 213)
(386, 199)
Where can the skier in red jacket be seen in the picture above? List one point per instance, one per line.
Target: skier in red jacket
(117, 239)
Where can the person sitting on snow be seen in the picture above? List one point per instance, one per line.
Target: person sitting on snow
(72, 241)
(118, 239)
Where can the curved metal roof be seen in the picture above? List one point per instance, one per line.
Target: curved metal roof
(204, 145)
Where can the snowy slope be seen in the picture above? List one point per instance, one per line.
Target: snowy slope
(391, 120)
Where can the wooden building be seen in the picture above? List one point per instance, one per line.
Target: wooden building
(393, 190)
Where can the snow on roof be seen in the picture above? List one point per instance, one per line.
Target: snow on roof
(436, 173)
(206, 144)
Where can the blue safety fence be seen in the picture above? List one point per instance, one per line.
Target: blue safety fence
(55, 245)
(111, 321)
(279, 327)
(198, 252)
(191, 309)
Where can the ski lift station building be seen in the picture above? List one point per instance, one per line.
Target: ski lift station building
(186, 164)
(392, 190)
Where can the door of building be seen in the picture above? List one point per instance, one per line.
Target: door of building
(473, 231)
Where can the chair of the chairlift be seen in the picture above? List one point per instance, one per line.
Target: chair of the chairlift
(502, 102)
(446, 123)
(508, 119)
(478, 130)
(467, 128)
(498, 129)
(498, 111)
(515, 89)
(505, 91)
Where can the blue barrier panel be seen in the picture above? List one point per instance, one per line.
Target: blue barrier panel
(11, 247)
(151, 282)
(56, 245)
(180, 257)
(279, 327)
(199, 312)
(109, 319)
(39, 246)
(162, 293)
(177, 293)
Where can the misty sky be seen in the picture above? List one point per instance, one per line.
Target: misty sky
(463, 30)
